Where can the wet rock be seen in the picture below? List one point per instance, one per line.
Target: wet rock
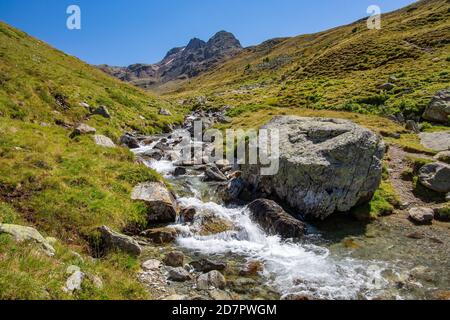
(163, 146)
(206, 265)
(129, 141)
(151, 265)
(75, 279)
(325, 165)
(161, 235)
(274, 220)
(211, 224)
(178, 274)
(214, 174)
(252, 269)
(102, 111)
(435, 176)
(179, 171)
(164, 112)
(439, 108)
(174, 259)
(210, 280)
(421, 215)
(82, 129)
(155, 154)
(148, 140)
(234, 189)
(241, 285)
(187, 214)
(411, 125)
(104, 141)
(160, 202)
(22, 234)
(112, 240)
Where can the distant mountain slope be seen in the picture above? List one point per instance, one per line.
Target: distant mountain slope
(343, 68)
(180, 63)
(41, 84)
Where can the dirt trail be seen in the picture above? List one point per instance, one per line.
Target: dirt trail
(398, 163)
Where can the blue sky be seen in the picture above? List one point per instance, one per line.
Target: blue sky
(122, 32)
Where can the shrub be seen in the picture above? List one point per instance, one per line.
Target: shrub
(407, 107)
(375, 100)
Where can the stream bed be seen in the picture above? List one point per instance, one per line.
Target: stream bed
(338, 259)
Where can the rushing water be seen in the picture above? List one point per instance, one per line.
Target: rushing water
(307, 267)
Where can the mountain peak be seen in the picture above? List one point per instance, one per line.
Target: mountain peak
(195, 44)
(224, 39)
(181, 62)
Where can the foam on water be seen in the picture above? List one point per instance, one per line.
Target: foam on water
(292, 268)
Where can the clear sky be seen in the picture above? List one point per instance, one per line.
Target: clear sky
(122, 32)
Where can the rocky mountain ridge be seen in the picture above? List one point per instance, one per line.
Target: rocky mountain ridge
(180, 63)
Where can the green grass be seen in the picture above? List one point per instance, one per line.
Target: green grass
(417, 163)
(42, 84)
(383, 203)
(444, 212)
(29, 274)
(68, 187)
(63, 187)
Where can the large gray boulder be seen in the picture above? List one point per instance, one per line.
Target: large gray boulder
(439, 108)
(103, 141)
(274, 220)
(161, 204)
(112, 240)
(435, 176)
(325, 165)
(22, 234)
(437, 141)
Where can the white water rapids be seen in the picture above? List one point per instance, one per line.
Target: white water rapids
(289, 267)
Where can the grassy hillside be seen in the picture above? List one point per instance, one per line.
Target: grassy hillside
(340, 69)
(66, 187)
